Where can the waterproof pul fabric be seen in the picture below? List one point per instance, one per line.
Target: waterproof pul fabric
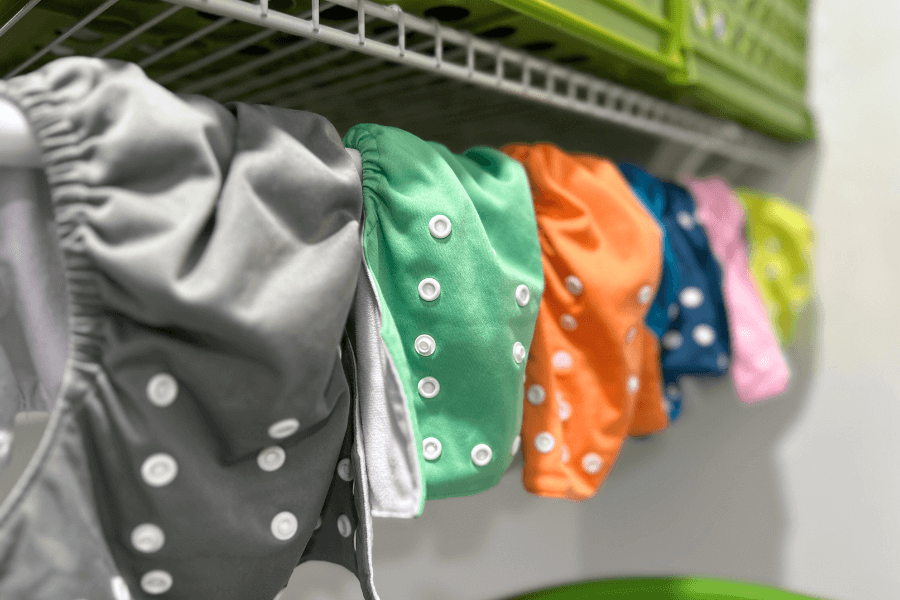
(594, 374)
(758, 367)
(781, 243)
(202, 426)
(451, 248)
(697, 341)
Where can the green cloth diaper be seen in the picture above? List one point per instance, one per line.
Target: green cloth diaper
(451, 252)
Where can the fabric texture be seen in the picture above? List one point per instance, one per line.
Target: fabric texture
(781, 238)
(758, 367)
(697, 341)
(594, 375)
(210, 255)
(450, 244)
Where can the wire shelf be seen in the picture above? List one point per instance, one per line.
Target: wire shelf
(383, 54)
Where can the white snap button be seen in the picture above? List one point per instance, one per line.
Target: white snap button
(147, 538)
(439, 226)
(515, 445)
(284, 526)
(318, 523)
(159, 470)
(535, 394)
(722, 361)
(564, 408)
(425, 345)
(685, 220)
(156, 582)
(344, 527)
(645, 294)
(6, 438)
(519, 352)
(591, 463)
(120, 588)
(672, 391)
(672, 340)
(523, 295)
(633, 384)
(544, 442)
(481, 454)
(568, 322)
(284, 428)
(673, 311)
(162, 389)
(429, 387)
(271, 458)
(343, 469)
(564, 454)
(691, 297)
(429, 289)
(431, 448)
(574, 285)
(561, 360)
(764, 362)
(631, 333)
(704, 335)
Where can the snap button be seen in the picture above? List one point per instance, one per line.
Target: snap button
(764, 362)
(563, 407)
(523, 295)
(722, 361)
(574, 285)
(147, 538)
(561, 360)
(631, 333)
(156, 582)
(431, 448)
(120, 588)
(591, 463)
(672, 340)
(515, 445)
(284, 428)
(344, 527)
(284, 526)
(673, 311)
(429, 387)
(536, 394)
(439, 226)
(429, 289)
(162, 389)
(544, 442)
(271, 458)
(644, 294)
(159, 470)
(482, 454)
(633, 384)
(6, 438)
(343, 469)
(425, 345)
(685, 220)
(704, 335)
(568, 322)
(691, 297)
(519, 352)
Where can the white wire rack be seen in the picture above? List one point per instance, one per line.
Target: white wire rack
(438, 57)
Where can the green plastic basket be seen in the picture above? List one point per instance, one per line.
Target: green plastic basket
(746, 60)
(636, 42)
(664, 588)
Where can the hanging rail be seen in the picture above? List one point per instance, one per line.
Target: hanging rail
(470, 59)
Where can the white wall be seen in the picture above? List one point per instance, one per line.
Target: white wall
(802, 492)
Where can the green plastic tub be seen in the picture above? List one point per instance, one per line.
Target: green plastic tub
(746, 60)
